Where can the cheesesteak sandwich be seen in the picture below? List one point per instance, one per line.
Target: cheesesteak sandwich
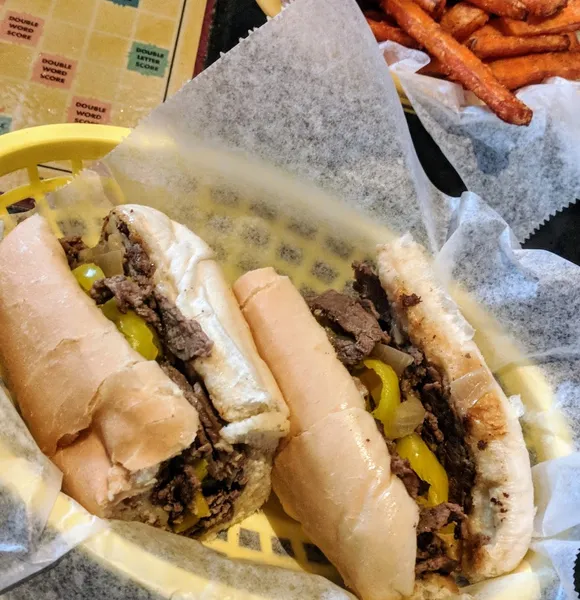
(136, 373)
(405, 462)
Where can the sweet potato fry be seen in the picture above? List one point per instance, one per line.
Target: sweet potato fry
(489, 29)
(515, 73)
(544, 8)
(462, 63)
(495, 46)
(433, 7)
(574, 42)
(463, 19)
(383, 32)
(434, 69)
(504, 8)
(566, 20)
(375, 15)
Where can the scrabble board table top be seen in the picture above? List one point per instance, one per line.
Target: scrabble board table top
(96, 61)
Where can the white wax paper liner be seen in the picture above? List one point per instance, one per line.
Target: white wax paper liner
(132, 561)
(558, 477)
(38, 488)
(526, 173)
(36, 528)
(310, 92)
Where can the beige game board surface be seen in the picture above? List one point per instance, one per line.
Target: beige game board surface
(97, 61)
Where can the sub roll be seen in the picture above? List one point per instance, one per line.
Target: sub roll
(136, 373)
(405, 462)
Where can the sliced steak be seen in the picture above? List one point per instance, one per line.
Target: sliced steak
(452, 450)
(176, 489)
(414, 485)
(442, 428)
(440, 564)
(72, 245)
(184, 337)
(137, 261)
(346, 349)
(227, 467)
(368, 286)
(414, 374)
(354, 330)
(221, 506)
(225, 464)
(433, 426)
(207, 416)
(198, 399)
(435, 518)
(196, 396)
(129, 295)
(432, 556)
(178, 483)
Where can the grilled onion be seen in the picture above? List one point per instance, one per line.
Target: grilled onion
(409, 415)
(110, 262)
(396, 359)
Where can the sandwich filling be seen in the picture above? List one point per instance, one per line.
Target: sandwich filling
(409, 399)
(196, 490)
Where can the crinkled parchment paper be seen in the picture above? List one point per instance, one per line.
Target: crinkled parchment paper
(36, 524)
(310, 94)
(132, 561)
(526, 173)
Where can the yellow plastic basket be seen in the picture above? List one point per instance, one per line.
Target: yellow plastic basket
(268, 536)
(27, 149)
